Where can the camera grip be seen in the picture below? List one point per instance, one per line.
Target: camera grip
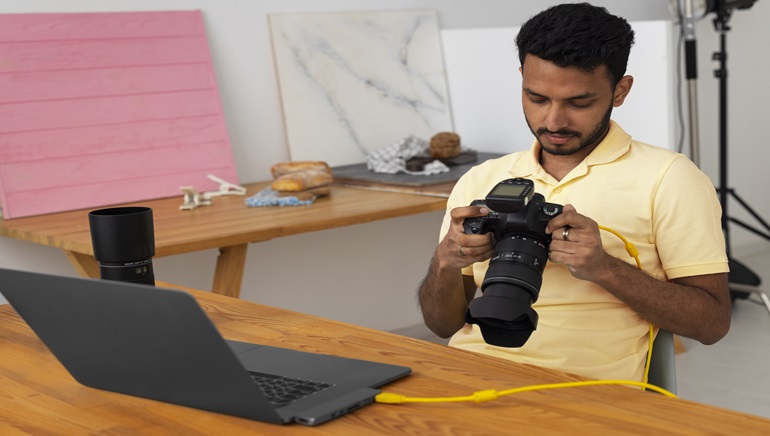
(475, 225)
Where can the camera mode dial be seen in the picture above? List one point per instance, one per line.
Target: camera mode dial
(551, 210)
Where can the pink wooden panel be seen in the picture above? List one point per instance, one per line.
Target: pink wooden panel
(110, 166)
(66, 84)
(37, 145)
(79, 55)
(97, 25)
(105, 108)
(95, 111)
(102, 194)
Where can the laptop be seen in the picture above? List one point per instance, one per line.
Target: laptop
(158, 343)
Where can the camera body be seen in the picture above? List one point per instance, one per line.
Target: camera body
(517, 217)
(514, 207)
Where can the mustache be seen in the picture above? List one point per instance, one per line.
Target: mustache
(563, 132)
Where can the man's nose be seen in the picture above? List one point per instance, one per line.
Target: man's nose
(556, 118)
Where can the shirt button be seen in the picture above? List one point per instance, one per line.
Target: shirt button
(557, 190)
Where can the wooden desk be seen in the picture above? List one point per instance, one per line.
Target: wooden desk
(228, 225)
(37, 396)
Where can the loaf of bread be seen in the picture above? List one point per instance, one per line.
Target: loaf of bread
(445, 145)
(300, 181)
(283, 168)
(307, 194)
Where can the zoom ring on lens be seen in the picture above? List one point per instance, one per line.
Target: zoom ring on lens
(525, 259)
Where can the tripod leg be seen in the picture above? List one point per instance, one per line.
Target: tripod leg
(748, 227)
(752, 212)
(739, 276)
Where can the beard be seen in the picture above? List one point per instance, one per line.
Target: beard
(589, 140)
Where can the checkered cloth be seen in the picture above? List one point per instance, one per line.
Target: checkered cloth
(392, 159)
(270, 197)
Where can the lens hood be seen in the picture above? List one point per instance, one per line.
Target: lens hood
(504, 321)
(122, 234)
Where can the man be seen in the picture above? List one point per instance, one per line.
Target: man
(594, 305)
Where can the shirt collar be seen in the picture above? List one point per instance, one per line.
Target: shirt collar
(615, 144)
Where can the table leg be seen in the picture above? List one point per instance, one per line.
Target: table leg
(84, 264)
(229, 273)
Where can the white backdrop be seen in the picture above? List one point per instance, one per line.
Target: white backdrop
(485, 87)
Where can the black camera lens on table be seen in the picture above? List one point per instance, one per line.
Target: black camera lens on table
(517, 217)
(123, 239)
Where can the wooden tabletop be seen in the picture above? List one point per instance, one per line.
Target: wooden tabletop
(37, 396)
(228, 225)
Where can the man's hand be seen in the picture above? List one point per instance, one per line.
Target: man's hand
(576, 243)
(458, 250)
(696, 307)
(445, 292)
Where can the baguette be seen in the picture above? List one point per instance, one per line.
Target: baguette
(283, 168)
(302, 180)
(308, 194)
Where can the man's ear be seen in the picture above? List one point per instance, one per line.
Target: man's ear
(621, 90)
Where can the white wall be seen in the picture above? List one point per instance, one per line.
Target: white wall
(367, 274)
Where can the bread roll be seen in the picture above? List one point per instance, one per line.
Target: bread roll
(445, 145)
(301, 181)
(284, 168)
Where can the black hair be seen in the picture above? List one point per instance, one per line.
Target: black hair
(578, 35)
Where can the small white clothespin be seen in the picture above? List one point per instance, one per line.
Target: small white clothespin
(192, 199)
(225, 188)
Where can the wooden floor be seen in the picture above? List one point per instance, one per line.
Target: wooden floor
(733, 373)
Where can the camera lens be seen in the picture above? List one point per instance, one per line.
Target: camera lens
(511, 285)
(123, 240)
(520, 254)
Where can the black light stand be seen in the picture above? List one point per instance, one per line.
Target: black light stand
(742, 280)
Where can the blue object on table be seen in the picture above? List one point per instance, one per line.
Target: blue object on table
(270, 197)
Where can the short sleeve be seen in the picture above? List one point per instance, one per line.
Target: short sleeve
(687, 225)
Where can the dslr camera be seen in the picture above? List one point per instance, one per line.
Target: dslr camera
(517, 217)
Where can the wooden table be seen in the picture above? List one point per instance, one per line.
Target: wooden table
(228, 225)
(37, 396)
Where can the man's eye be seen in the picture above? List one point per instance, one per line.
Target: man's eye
(580, 105)
(538, 100)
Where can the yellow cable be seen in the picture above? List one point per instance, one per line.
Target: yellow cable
(492, 394)
(633, 252)
(649, 356)
(630, 247)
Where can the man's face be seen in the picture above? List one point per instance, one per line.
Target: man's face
(568, 109)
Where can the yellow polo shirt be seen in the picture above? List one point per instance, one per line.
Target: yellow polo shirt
(657, 199)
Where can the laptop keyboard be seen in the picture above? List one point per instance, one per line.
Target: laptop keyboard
(282, 391)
